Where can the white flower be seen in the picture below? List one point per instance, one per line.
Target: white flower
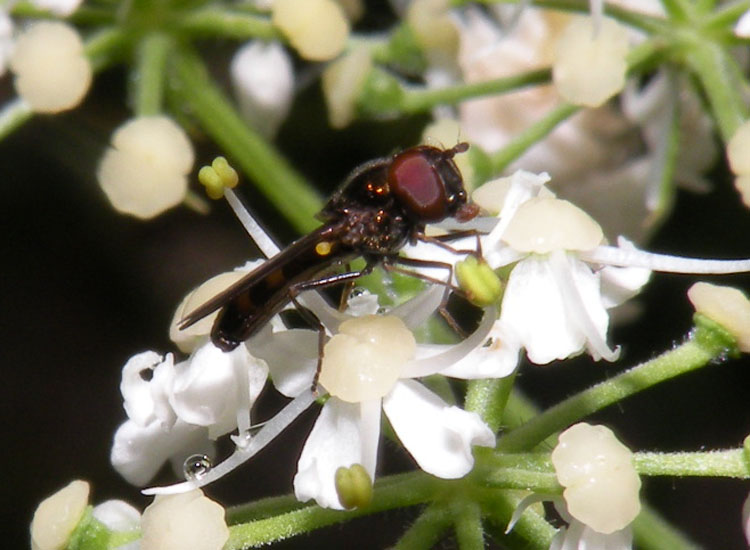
(52, 72)
(58, 515)
(742, 27)
(182, 407)
(263, 80)
(347, 432)
(598, 155)
(6, 40)
(145, 170)
(565, 278)
(190, 520)
(368, 366)
(578, 536)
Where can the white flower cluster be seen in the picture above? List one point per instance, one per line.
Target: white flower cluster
(562, 280)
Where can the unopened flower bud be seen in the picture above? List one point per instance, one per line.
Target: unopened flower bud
(52, 72)
(727, 306)
(145, 170)
(342, 84)
(58, 515)
(601, 484)
(590, 66)
(317, 29)
(187, 520)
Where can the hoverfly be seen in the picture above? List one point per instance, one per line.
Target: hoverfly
(383, 205)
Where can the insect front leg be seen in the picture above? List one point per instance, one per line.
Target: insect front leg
(388, 265)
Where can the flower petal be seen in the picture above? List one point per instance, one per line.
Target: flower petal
(140, 394)
(336, 440)
(214, 388)
(292, 357)
(247, 447)
(437, 435)
(496, 360)
(139, 452)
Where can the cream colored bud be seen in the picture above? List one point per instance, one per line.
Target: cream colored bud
(187, 520)
(318, 29)
(742, 185)
(342, 83)
(188, 338)
(544, 224)
(431, 22)
(601, 484)
(738, 150)
(365, 359)
(590, 66)
(727, 306)
(145, 170)
(52, 72)
(58, 515)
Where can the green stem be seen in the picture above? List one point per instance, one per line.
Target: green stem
(273, 175)
(727, 463)
(697, 352)
(416, 100)
(488, 399)
(468, 525)
(652, 532)
(635, 19)
(427, 530)
(726, 16)
(410, 491)
(263, 508)
(677, 10)
(717, 73)
(530, 136)
(105, 47)
(213, 21)
(523, 480)
(151, 58)
(13, 115)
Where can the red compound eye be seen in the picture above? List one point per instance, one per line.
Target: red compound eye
(417, 185)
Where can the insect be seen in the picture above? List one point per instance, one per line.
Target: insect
(383, 205)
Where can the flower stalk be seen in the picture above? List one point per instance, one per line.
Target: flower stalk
(273, 175)
(706, 343)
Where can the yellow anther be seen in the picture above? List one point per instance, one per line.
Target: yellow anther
(482, 285)
(353, 486)
(217, 177)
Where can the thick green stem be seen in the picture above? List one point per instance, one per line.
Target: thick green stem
(718, 73)
(468, 525)
(410, 491)
(416, 100)
(727, 15)
(488, 399)
(427, 530)
(215, 21)
(530, 136)
(728, 463)
(697, 352)
(273, 175)
(151, 59)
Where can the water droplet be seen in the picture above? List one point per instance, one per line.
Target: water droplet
(196, 466)
(357, 291)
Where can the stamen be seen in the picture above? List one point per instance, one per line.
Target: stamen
(242, 454)
(253, 228)
(632, 257)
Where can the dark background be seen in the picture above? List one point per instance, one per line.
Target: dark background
(84, 288)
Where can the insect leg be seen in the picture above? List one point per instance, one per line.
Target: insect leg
(443, 240)
(442, 308)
